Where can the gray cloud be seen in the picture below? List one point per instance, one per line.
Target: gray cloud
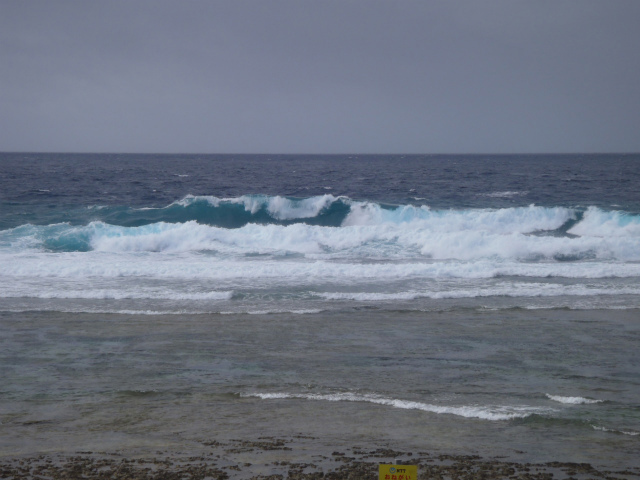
(320, 76)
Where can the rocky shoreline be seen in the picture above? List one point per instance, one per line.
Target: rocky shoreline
(270, 458)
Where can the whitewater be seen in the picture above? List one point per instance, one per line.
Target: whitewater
(209, 254)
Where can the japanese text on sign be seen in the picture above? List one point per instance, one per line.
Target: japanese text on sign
(398, 472)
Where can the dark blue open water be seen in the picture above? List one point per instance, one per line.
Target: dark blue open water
(461, 304)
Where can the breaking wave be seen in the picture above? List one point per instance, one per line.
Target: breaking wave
(322, 249)
(572, 400)
(337, 227)
(612, 430)
(489, 412)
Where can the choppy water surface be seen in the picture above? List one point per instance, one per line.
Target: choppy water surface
(463, 304)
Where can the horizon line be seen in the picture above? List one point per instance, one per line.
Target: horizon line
(318, 154)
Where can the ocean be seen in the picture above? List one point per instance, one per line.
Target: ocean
(459, 304)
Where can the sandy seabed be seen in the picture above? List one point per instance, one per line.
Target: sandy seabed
(286, 458)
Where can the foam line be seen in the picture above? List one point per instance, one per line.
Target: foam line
(194, 266)
(622, 432)
(112, 294)
(572, 400)
(492, 413)
(503, 289)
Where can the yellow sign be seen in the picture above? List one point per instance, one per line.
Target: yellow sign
(398, 472)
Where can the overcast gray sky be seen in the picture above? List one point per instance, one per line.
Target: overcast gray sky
(323, 76)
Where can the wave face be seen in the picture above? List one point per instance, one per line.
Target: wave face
(310, 253)
(326, 210)
(329, 224)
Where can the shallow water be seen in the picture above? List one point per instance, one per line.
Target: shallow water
(532, 385)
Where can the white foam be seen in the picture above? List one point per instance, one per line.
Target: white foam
(379, 254)
(18, 291)
(502, 289)
(280, 208)
(599, 223)
(507, 194)
(572, 400)
(497, 221)
(120, 311)
(623, 432)
(491, 412)
(186, 266)
(106, 311)
(369, 296)
(368, 232)
(409, 241)
(308, 311)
